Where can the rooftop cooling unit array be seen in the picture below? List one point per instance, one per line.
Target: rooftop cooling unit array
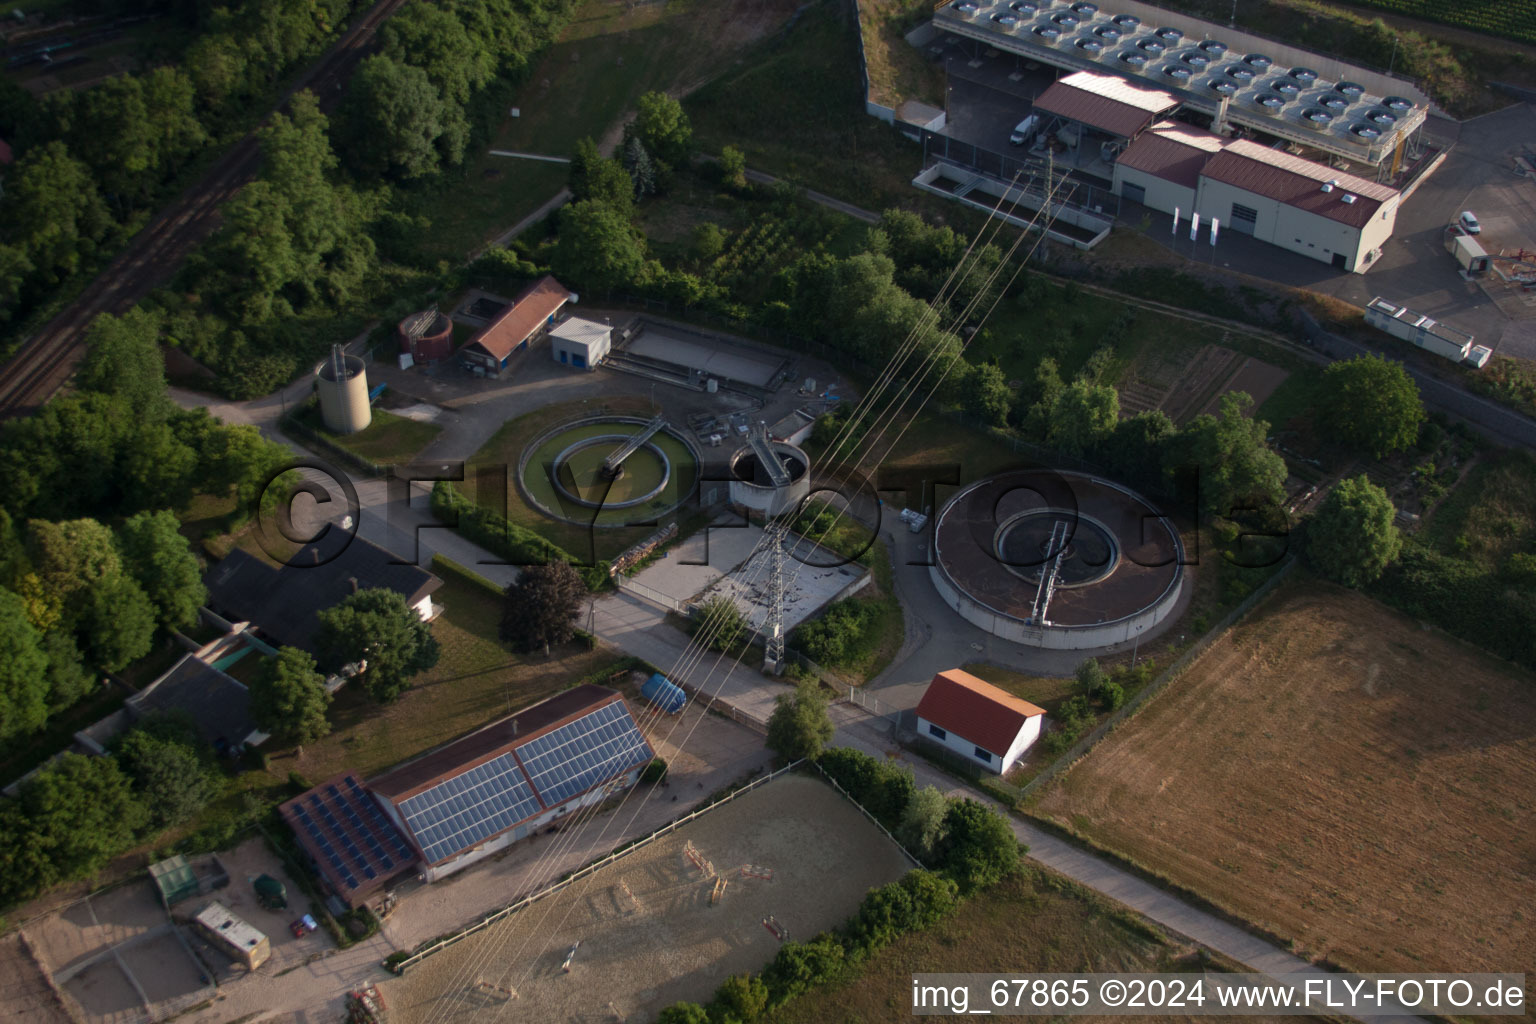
(1316, 118)
(1169, 36)
(1365, 132)
(1008, 21)
(1178, 73)
(1066, 19)
(1108, 33)
(1397, 104)
(1381, 118)
(1333, 103)
(1223, 86)
(1303, 76)
(1091, 48)
(1086, 10)
(1351, 91)
(1151, 47)
(1258, 62)
(1270, 103)
(1196, 60)
(1134, 60)
(966, 8)
(1048, 34)
(1127, 22)
(1287, 89)
(1240, 73)
(1025, 8)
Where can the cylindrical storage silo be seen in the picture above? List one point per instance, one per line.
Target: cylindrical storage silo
(343, 388)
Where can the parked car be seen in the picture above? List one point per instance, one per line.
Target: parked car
(1024, 129)
(1468, 222)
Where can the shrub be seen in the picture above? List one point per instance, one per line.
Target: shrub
(297, 782)
(883, 788)
(655, 771)
(495, 533)
(979, 847)
(800, 966)
(742, 997)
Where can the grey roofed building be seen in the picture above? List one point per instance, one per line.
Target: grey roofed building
(284, 603)
(218, 704)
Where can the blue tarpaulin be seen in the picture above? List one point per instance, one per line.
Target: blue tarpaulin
(664, 693)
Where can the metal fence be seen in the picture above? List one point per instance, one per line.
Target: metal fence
(650, 595)
(578, 875)
(1033, 176)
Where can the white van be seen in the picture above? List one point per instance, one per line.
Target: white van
(1024, 129)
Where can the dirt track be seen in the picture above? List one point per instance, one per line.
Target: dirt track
(824, 856)
(1341, 775)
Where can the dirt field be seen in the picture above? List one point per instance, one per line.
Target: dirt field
(26, 996)
(1254, 376)
(824, 855)
(1341, 775)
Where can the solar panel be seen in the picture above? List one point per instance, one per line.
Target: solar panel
(328, 834)
(460, 812)
(572, 759)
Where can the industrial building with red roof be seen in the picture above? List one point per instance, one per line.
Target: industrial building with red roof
(531, 312)
(978, 721)
(1267, 193)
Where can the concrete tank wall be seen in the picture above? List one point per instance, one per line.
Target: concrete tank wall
(344, 396)
(757, 494)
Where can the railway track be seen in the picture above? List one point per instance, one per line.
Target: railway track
(46, 360)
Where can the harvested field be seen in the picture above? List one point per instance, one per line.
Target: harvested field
(669, 944)
(1341, 775)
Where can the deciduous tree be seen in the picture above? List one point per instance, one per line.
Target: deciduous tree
(23, 670)
(1371, 403)
(539, 608)
(160, 559)
(377, 625)
(978, 848)
(172, 777)
(800, 726)
(663, 126)
(288, 697)
(1230, 452)
(1353, 537)
(398, 124)
(598, 247)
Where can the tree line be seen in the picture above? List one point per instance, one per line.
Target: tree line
(93, 566)
(92, 165)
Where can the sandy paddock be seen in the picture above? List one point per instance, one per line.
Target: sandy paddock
(824, 854)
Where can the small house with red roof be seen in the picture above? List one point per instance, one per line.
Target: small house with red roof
(980, 722)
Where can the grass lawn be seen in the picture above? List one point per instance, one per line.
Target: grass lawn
(20, 754)
(796, 108)
(897, 69)
(388, 440)
(1294, 402)
(1492, 514)
(585, 85)
(474, 682)
(491, 195)
(1034, 920)
(1047, 692)
(505, 448)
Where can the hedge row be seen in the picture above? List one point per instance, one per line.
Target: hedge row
(1462, 598)
(505, 539)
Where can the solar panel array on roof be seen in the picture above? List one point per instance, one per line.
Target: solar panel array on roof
(573, 758)
(462, 811)
(356, 845)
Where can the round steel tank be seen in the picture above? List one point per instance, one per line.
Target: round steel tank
(427, 336)
(752, 487)
(343, 388)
